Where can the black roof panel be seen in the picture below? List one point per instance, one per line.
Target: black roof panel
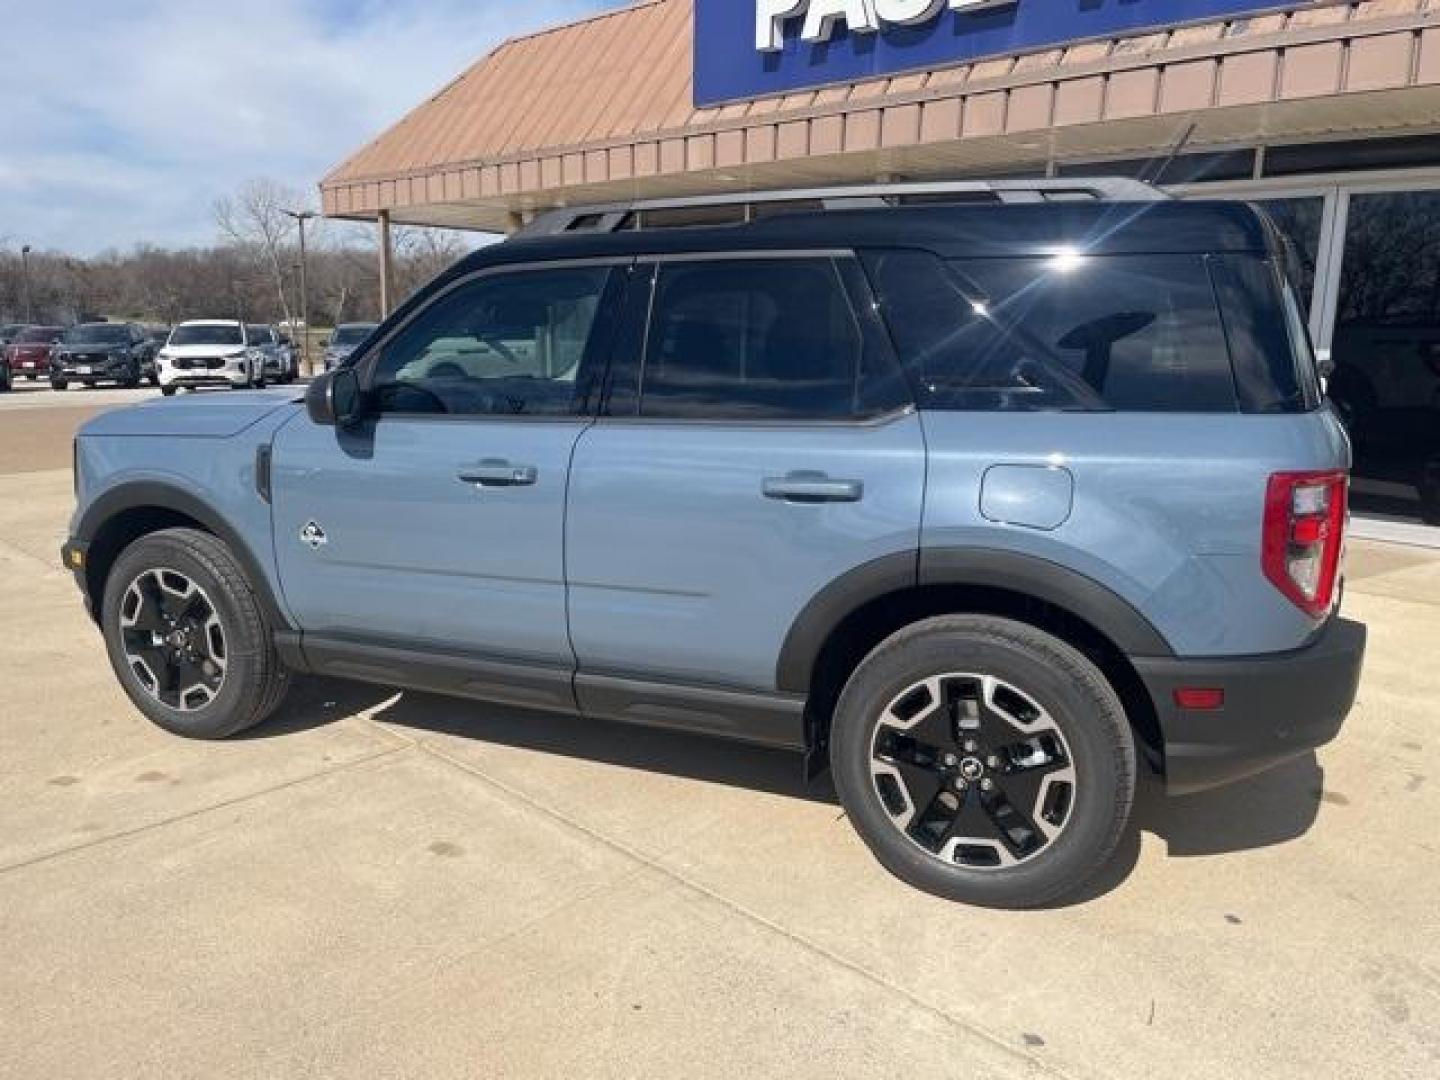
(1097, 228)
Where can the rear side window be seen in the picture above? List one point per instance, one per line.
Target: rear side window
(1274, 365)
(754, 339)
(1137, 333)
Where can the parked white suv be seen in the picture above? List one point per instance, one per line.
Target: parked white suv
(210, 352)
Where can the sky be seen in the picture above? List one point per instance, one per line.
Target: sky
(122, 121)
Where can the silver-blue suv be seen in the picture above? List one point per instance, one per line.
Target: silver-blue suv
(978, 494)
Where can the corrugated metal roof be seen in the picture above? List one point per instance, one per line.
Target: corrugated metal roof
(609, 101)
(619, 73)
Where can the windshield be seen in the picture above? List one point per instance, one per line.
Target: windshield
(221, 334)
(258, 335)
(351, 335)
(38, 335)
(98, 334)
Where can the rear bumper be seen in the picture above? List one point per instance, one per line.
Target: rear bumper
(1276, 707)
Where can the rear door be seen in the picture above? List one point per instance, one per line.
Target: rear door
(758, 444)
(438, 525)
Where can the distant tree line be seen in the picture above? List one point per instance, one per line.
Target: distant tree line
(251, 273)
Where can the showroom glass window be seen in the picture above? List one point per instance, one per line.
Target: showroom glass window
(1386, 352)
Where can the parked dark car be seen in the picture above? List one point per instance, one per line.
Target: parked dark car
(92, 353)
(29, 352)
(279, 359)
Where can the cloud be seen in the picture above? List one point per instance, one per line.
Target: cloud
(123, 122)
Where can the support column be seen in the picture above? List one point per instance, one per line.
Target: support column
(387, 264)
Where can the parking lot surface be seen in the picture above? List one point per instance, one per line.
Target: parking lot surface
(378, 883)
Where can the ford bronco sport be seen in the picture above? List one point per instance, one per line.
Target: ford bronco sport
(979, 494)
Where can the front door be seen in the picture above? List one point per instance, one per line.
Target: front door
(765, 451)
(438, 524)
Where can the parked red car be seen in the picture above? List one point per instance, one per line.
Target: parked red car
(29, 353)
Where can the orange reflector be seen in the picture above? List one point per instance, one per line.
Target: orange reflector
(1197, 697)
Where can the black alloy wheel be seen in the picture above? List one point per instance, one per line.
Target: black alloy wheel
(173, 639)
(972, 770)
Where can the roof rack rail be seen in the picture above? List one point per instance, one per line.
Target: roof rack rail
(741, 207)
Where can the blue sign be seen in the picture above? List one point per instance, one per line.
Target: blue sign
(752, 48)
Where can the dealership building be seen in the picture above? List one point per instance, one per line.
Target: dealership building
(1327, 113)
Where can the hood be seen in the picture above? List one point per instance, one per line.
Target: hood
(214, 416)
(91, 349)
(194, 352)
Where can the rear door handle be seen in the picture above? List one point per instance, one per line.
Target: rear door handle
(496, 472)
(813, 487)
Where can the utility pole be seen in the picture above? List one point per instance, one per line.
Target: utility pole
(302, 216)
(25, 276)
(387, 264)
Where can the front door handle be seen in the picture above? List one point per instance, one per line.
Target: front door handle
(496, 472)
(813, 487)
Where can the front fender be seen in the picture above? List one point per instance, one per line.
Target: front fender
(107, 522)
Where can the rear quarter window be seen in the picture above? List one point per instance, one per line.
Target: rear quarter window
(1135, 333)
(1274, 364)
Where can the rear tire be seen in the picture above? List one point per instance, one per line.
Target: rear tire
(167, 391)
(188, 638)
(983, 760)
(58, 384)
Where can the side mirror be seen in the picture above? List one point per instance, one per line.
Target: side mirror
(324, 343)
(335, 399)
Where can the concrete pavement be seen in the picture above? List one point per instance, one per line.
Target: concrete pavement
(378, 884)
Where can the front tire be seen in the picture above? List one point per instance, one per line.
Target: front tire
(167, 391)
(983, 760)
(58, 384)
(188, 638)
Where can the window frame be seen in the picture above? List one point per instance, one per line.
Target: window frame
(365, 363)
(630, 352)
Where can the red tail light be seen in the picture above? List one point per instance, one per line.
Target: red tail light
(1305, 515)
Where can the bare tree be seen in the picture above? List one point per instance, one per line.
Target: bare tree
(422, 254)
(254, 218)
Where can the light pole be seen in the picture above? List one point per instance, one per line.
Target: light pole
(25, 277)
(302, 216)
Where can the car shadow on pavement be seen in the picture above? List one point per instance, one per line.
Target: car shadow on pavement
(314, 702)
(1275, 807)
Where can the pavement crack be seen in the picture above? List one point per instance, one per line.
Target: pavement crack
(1038, 1064)
(199, 811)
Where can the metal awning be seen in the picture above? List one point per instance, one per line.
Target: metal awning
(602, 111)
